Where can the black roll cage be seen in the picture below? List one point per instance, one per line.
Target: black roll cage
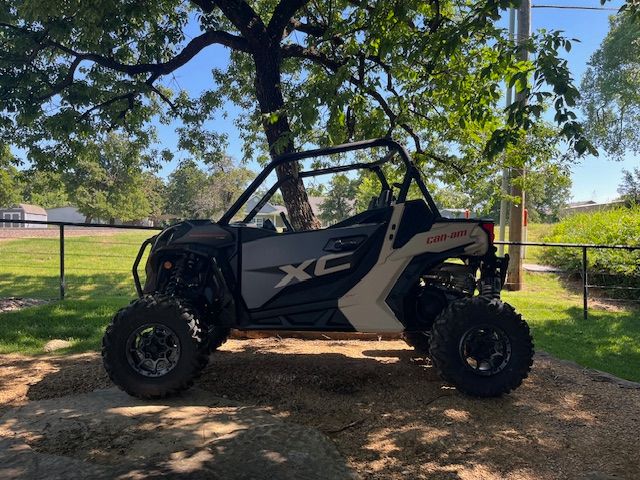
(411, 173)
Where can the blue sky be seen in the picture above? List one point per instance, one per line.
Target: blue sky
(594, 178)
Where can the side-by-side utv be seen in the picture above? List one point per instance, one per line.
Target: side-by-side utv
(398, 266)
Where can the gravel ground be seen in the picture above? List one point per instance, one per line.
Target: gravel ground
(390, 416)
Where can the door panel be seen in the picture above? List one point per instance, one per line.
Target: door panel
(275, 268)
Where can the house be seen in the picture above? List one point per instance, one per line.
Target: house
(590, 206)
(23, 211)
(272, 212)
(71, 214)
(68, 214)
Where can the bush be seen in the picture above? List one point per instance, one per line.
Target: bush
(610, 227)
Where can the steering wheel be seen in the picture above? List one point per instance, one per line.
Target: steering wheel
(286, 222)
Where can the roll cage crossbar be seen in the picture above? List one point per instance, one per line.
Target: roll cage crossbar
(411, 173)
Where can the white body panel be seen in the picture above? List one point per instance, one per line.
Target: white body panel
(365, 306)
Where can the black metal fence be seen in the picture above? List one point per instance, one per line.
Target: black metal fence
(62, 240)
(586, 275)
(589, 286)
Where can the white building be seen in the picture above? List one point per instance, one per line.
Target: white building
(23, 211)
(66, 214)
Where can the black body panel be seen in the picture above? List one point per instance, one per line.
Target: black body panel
(416, 218)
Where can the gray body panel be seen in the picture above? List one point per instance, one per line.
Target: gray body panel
(265, 261)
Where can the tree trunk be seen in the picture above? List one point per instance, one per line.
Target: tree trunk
(279, 136)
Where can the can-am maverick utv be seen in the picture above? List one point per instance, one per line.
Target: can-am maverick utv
(398, 266)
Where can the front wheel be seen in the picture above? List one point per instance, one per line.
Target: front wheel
(481, 346)
(154, 347)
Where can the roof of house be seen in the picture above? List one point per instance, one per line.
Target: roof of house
(53, 209)
(266, 209)
(591, 203)
(270, 208)
(27, 208)
(581, 203)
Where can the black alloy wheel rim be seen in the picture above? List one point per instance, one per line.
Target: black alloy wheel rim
(153, 350)
(485, 350)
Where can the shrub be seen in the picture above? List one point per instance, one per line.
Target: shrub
(609, 227)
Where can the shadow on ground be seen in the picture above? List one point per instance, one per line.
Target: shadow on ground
(391, 417)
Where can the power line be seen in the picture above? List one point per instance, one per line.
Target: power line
(575, 7)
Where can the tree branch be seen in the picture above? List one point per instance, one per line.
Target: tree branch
(282, 15)
(125, 96)
(315, 30)
(66, 82)
(194, 47)
(154, 89)
(206, 6)
(245, 19)
(318, 57)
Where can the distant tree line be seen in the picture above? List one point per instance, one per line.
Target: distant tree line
(117, 180)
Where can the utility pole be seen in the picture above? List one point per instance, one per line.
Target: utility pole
(504, 205)
(516, 220)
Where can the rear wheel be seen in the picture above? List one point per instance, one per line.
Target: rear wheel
(154, 347)
(482, 346)
(422, 307)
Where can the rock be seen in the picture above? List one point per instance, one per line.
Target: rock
(192, 436)
(56, 344)
(18, 460)
(16, 303)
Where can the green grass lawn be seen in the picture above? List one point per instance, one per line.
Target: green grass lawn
(607, 340)
(99, 282)
(95, 266)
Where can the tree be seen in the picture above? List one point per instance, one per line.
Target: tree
(340, 199)
(155, 191)
(182, 189)
(547, 182)
(108, 181)
(224, 185)
(629, 189)
(46, 189)
(304, 72)
(549, 191)
(9, 179)
(611, 89)
(195, 193)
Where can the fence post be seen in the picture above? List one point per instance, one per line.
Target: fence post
(585, 288)
(62, 282)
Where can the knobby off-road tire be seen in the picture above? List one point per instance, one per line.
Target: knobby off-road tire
(167, 332)
(481, 346)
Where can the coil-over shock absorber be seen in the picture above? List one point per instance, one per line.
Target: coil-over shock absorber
(492, 275)
(184, 266)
